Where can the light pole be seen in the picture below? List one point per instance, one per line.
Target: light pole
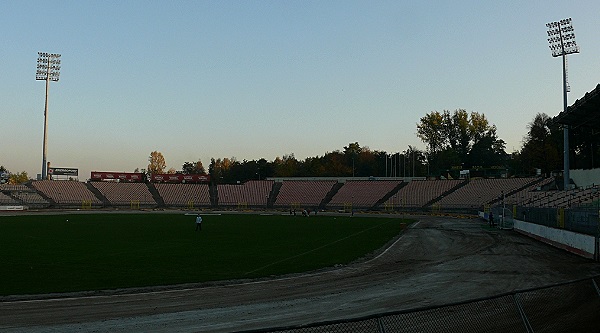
(386, 164)
(595, 191)
(562, 42)
(48, 69)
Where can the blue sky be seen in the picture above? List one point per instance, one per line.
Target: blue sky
(260, 79)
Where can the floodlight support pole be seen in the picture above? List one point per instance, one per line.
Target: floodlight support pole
(48, 69)
(566, 164)
(562, 43)
(45, 148)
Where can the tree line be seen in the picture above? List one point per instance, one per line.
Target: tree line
(455, 141)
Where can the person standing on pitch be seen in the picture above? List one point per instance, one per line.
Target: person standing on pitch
(198, 222)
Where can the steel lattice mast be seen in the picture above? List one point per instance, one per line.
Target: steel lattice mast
(561, 37)
(48, 69)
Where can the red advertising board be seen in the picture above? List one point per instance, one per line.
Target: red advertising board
(121, 176)
(179, 178)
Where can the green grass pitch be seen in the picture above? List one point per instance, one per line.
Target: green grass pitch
(64, 253)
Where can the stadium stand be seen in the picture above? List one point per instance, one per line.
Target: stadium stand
(126, 194)
(418, 193)
(439, 195)
(7, 200)
(362, 193)
(32, 199)
(6, 190)
(303, 192)
(66, 192)
(525, 195)
(250, 193)
(184, 195)
(13, 188)
(538, 195)
(560, 199)
(22, 195)
(479, 192)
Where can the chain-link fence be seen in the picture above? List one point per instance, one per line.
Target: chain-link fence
(568, 307)
(581, 219)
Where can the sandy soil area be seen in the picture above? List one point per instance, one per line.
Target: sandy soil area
(438, 260)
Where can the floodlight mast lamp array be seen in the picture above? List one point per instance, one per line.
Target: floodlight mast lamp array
(561, 37)
(48, 69)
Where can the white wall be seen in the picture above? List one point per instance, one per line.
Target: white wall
(585, 178)
(580, 244)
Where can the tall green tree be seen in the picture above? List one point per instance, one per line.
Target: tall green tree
(193, 168)
(542, 145)
(431, 131)
(457, 129)
(220, 170)
(286, 166)
(336, 165)
(352, 153)
(487, 151)
(414, 162)
(313, 167)
(459, 139)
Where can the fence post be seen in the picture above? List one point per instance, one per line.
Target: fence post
(380, 326)
(597, 250)
(561, 218)
(528, 327)
(596, 286)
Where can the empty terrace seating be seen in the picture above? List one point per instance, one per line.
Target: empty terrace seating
(478, 192)
(418, 193)
(587, 197)
(534, 196)
(303, 192)
(529, 194)
(23, 195)
(188, 195)
(31, 198)
(561, 199)
(571, 198)
(552, 198)
(121, 194)
(66, 192)
(14, 188)
(362, 193)
(251, 193)
(7, 200)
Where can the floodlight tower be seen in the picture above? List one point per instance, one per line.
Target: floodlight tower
(561, 37)
(48, 69)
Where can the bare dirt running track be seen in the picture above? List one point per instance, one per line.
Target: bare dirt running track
(438, 260)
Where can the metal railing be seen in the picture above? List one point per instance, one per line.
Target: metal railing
(578, 219)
